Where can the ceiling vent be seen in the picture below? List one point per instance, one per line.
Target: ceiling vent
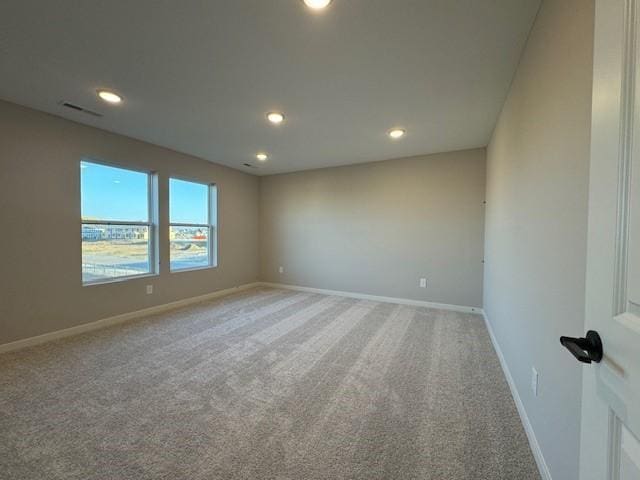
(249, 165)
(78, 108)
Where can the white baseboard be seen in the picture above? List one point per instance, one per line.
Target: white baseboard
(125, 317)
(377, 298)
(533, 441)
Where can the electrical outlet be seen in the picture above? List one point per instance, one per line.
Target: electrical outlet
(149, 289)
(281, 269)
(534, 382)
(423, 283)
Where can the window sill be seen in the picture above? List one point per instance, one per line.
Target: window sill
(194, 269)
(119, 279)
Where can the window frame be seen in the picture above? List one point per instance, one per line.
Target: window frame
(151, 224)
(211, 226)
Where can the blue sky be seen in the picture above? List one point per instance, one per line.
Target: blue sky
(188, 202)
(110, 193)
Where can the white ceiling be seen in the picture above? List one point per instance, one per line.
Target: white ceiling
(199, 76)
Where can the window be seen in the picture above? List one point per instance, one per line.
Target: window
(193, 229)
(118, 230)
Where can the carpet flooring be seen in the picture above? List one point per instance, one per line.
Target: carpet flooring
(265, 384)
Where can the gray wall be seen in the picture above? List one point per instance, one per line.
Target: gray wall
(377, 228)
(40, 273)
(536, 223)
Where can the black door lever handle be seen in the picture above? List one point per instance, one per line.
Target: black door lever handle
(586, 350)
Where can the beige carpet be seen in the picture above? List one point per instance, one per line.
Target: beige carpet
(266, 384)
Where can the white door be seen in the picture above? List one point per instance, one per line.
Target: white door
(610, 449)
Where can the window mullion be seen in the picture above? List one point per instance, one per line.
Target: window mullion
(198, 225)
(114, 222)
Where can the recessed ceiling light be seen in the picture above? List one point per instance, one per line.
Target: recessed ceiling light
(397, 133)
(317, 4)
(109, 96)
(263, 157)
(275, 117)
